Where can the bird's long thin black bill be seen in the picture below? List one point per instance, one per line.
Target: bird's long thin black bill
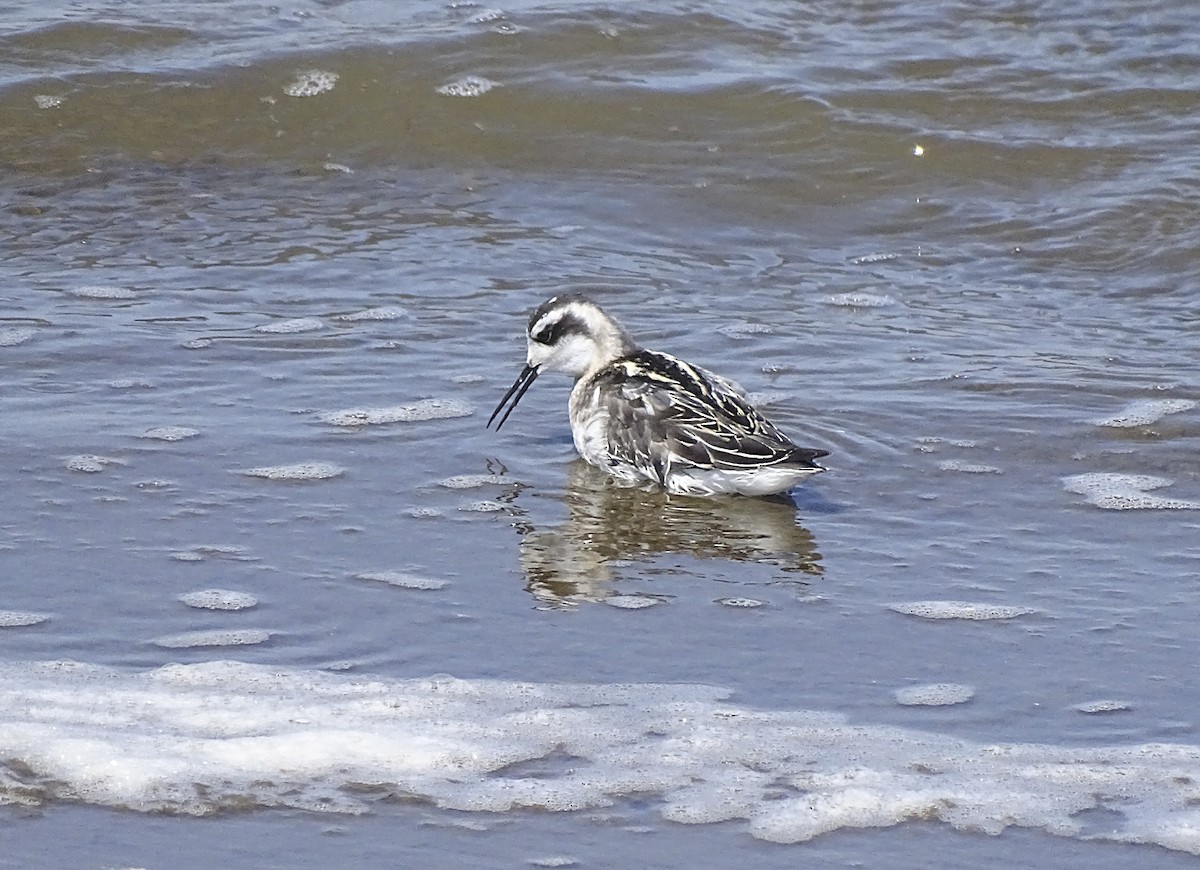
(523, 382)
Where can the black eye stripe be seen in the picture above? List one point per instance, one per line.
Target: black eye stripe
(554, 332)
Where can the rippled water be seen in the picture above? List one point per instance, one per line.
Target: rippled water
(265, 272)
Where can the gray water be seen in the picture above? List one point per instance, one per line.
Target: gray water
(953, 246)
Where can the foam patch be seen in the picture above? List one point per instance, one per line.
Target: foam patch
(310, 83)
(16, 335)
(299, 471)
(1119, 492)
(218, 637)
(960, 610)
(226, 736)
(403, 580)
(170, 433)
(468, 86)
(20, 618)
(934, 695)
(1144, 412)
(218, 599)
(426, 409)
(292, 326)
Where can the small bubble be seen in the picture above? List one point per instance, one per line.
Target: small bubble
(191, 639)
(469, 86)
(170, 433)
(960, 610)
(741, 602)
(18, 618)
(103, 291)
(310, 83)
(218, 599)
(288, 327)
(403, 580)
(934, 695)
(299, 471)
(632, 602)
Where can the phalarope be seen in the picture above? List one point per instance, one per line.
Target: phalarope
(642, 415)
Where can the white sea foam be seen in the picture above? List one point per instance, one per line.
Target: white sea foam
(934, 695)
(16, 335)
(47, 101)
(426, 409)
(468, 86)
(632, 602)
(1104, 705)
(860, 300)
(1144, 412)
(472, 481)
(216, 637)
(967, 467)
(486, 506)
(745, 330)
(960, 610)
(200, 739)
(749, 603)
(1125, 491)
(310, 83)
(389, 312)
(291, 327)
(218, 599)
(299, 471)
(103, 291)
(403, 579)
(91, 463)
(170, 433)
(19, 618)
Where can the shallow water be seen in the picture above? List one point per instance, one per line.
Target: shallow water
(953, 247)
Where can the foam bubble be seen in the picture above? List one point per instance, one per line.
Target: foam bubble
(310, 83)
(967, 467)
(472, 481)
(170, 433)
(197, 554)
(632, 602)
(1124, 491)
(403, 580)
(16, 335)
(741, 602)
(468, 86)
(131, 384)
(484, 507)
(47, 101)
(426, 409)
(91, 463)
(934, 695)
(103, 291)
(386, 312)
(1103, 706)
(860, 300)
(744, 330)
(218, 599)
(19, 618)
(291, 327)
(960, 610)
(299, 471)
(218, 637)
(1145, 412)
(212, 737)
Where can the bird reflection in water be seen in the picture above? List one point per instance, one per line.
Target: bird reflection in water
(609, 526)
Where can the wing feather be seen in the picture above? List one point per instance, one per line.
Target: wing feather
(669, 413)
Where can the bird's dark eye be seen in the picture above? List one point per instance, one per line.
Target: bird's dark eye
(555, 331)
